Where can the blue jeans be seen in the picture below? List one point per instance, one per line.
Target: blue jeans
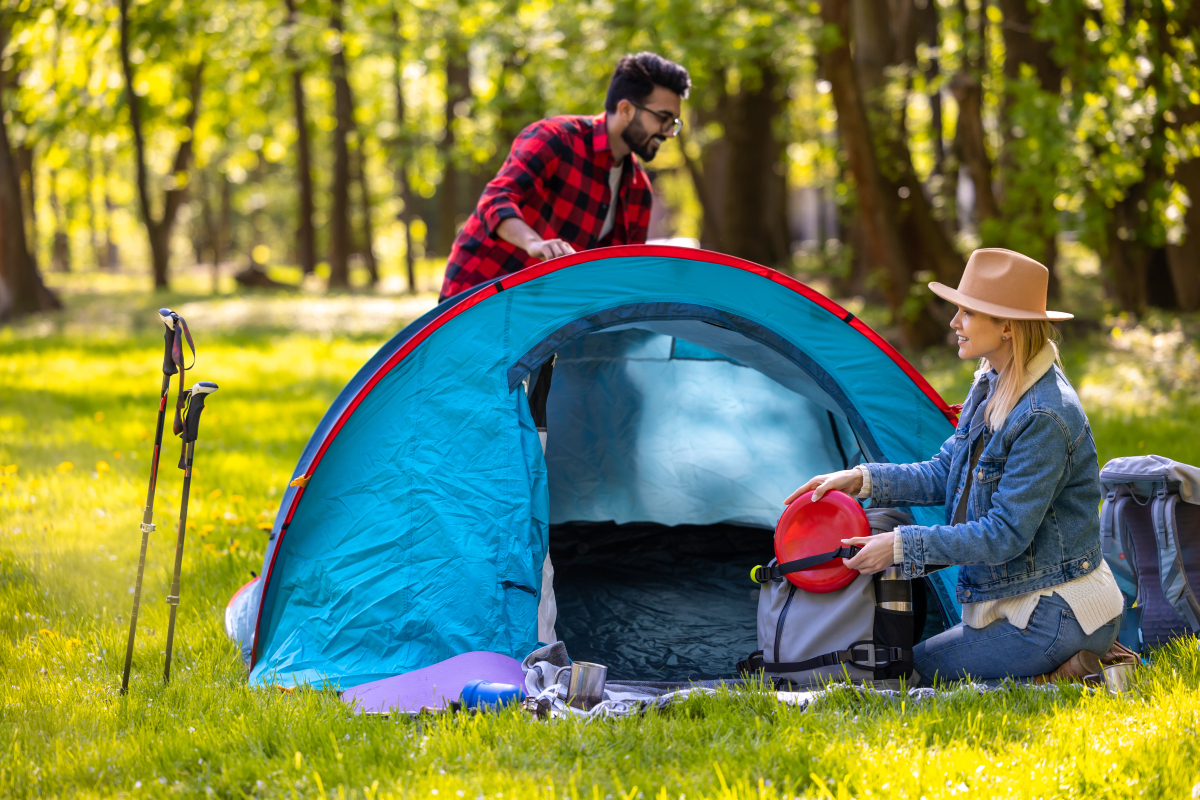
(1001, 650)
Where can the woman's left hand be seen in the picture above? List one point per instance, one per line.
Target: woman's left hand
(876, 554)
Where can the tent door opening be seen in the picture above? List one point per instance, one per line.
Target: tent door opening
(668, 462)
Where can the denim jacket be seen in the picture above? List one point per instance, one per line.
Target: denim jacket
(1031, 517)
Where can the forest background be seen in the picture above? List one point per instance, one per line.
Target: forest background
(870, 142)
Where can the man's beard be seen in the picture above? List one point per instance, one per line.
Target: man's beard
(639, 141)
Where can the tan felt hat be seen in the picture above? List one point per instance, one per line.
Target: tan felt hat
(1002, 284)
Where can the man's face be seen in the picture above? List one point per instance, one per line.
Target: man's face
(646, 129)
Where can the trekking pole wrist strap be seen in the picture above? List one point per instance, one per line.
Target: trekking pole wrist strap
(762, 574)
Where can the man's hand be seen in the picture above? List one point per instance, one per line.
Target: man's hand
(876, 554)
(849, 481)
(515, 230)
(547, 249)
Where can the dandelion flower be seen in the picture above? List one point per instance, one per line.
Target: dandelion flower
(10, 469)
(236, 498)
(102, 466)
(99, 416)
(214, 494)
(66, 466)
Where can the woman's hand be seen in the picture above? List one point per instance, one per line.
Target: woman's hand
(876, 554)
(847, 480)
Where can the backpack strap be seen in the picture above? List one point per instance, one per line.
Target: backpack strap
(864, 655)
(1106, 520)
(1176, 590)
(1115, 545)
(761, 574)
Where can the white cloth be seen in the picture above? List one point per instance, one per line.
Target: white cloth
(547, 605)
(1095, 599)
(614, 184)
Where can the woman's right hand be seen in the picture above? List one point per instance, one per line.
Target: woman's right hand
(849, 481)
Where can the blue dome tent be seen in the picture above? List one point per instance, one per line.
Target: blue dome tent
(691, 393)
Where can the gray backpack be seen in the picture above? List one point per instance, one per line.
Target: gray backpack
(865, 630)
(1150, 531)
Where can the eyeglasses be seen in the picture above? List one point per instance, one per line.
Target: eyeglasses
(665, 119)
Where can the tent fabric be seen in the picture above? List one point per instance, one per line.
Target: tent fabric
(638, 434)
(420, 518)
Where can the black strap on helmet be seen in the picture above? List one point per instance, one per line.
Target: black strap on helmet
(761, 574)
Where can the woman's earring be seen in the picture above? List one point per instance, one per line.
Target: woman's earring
(1004, 338)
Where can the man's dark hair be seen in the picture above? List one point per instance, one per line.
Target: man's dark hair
(636, 76)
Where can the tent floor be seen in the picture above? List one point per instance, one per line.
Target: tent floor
(666, 604)
(658, 603)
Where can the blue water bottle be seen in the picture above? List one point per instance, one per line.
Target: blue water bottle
(485, 695)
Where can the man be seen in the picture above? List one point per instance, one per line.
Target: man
(572, 183)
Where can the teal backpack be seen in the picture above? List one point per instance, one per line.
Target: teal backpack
(1150, 531)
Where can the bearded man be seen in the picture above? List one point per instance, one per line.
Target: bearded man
(573, 183)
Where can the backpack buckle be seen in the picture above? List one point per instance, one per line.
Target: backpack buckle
(869, 655)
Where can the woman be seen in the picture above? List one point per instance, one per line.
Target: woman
(1020, 483)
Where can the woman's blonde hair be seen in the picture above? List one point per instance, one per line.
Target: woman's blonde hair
(1029, 336)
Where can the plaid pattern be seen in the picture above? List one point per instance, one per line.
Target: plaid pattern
(556, 179)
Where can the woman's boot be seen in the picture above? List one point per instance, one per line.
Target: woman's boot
(1076, 669)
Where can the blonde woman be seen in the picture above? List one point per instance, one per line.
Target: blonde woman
(1020, 483)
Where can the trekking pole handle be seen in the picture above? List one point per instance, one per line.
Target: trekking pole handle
(198, 393)
(168, 319)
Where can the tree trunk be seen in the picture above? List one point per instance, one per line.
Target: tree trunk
(21, 288)
(112, 256)
(1126, 259)
(877, 206)
(971, 143)
(158, 229)
(93, 209)
(710, 233)
(306, 247)
(60, 248)
(458, 91)
(750, 215)
(26, 176)
(339, 218)
(859, 82)
(364, 197)
(1184, 258)
(402, 156)
(209, 243)
(223, 241)
(1027, 204)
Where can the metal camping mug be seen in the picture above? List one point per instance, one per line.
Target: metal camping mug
(587, 684)
(1118, 677)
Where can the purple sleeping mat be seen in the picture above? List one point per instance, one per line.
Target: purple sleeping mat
(434, 685)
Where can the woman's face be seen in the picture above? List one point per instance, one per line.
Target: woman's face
(980, 336)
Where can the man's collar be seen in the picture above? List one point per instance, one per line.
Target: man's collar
(600, 133)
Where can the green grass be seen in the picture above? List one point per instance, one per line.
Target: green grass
(81, 389)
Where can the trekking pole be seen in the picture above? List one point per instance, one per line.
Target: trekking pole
(172, 363)
(191, 428)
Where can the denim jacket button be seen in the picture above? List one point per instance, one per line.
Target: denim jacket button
(1084, 565)
(979, 475)
(966, 593)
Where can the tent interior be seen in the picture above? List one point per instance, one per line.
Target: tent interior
(671, 445)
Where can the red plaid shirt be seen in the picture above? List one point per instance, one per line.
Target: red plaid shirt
(556, 179)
